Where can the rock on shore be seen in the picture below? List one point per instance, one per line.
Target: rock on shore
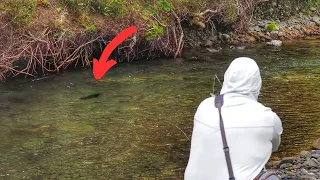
(306, 166)
(276, 43)
(298, 27)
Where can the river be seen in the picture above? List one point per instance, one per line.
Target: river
(139, 124)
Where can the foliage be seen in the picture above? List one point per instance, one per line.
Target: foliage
(313, 4)
(154, 31)
(273, 26)
(43, 2)
(78, 6)
(164, 5)
(20, 10)
(91, 28)
(231, 12)
(113, 8)
(110, 8)
(87, 22)
(152, 10)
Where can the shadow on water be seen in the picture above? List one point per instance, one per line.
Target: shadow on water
(136, 122)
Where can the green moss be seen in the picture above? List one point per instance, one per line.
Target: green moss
(91, 28)
(87, 23)
(154, 31)
(273, 26)
(231, 13)
(164, 5)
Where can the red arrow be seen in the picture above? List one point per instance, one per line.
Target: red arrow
(102, 66)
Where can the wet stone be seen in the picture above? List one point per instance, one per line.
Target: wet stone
(315, 152)
(306, 177)
(286, 177)
(299, 165)
(288, 160)
(316, 156)
(304, 172)
(315, 160)
(289, 173)
(305, 154)
(309, 163)
(315, 172)
(286, 165)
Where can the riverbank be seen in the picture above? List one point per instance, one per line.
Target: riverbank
(262, 30)
(40, 37)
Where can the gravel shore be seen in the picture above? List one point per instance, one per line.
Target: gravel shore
(305, 166)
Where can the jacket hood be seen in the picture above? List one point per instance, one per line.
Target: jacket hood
(242, 77)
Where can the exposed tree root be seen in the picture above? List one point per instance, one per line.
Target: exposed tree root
(180, 45)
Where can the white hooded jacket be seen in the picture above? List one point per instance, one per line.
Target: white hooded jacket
(252, 130)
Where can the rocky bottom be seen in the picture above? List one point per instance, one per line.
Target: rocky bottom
(306, 166)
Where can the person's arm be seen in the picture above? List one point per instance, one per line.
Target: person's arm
(277, 131)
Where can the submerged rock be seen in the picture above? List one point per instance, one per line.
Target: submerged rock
(276, 43)
(213, 50)
(305, 154)
(207, 43)
(237, 47)
(95, 95)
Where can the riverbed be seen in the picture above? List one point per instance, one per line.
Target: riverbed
(139, 123)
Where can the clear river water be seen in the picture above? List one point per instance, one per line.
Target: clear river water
(139, 122)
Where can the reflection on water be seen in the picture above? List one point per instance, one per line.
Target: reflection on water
(135, 128)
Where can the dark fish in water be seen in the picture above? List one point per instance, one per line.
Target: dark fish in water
(90, 96)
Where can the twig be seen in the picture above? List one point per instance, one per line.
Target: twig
(218, 79)
(18, 72)
(175, 36)
(214, 83)
(179, 169)
(38, 79)
(75, 51)
(181, 36)
(134, 41)
(212, 27)
(159, 21)
(205, 12)
(183, 133)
